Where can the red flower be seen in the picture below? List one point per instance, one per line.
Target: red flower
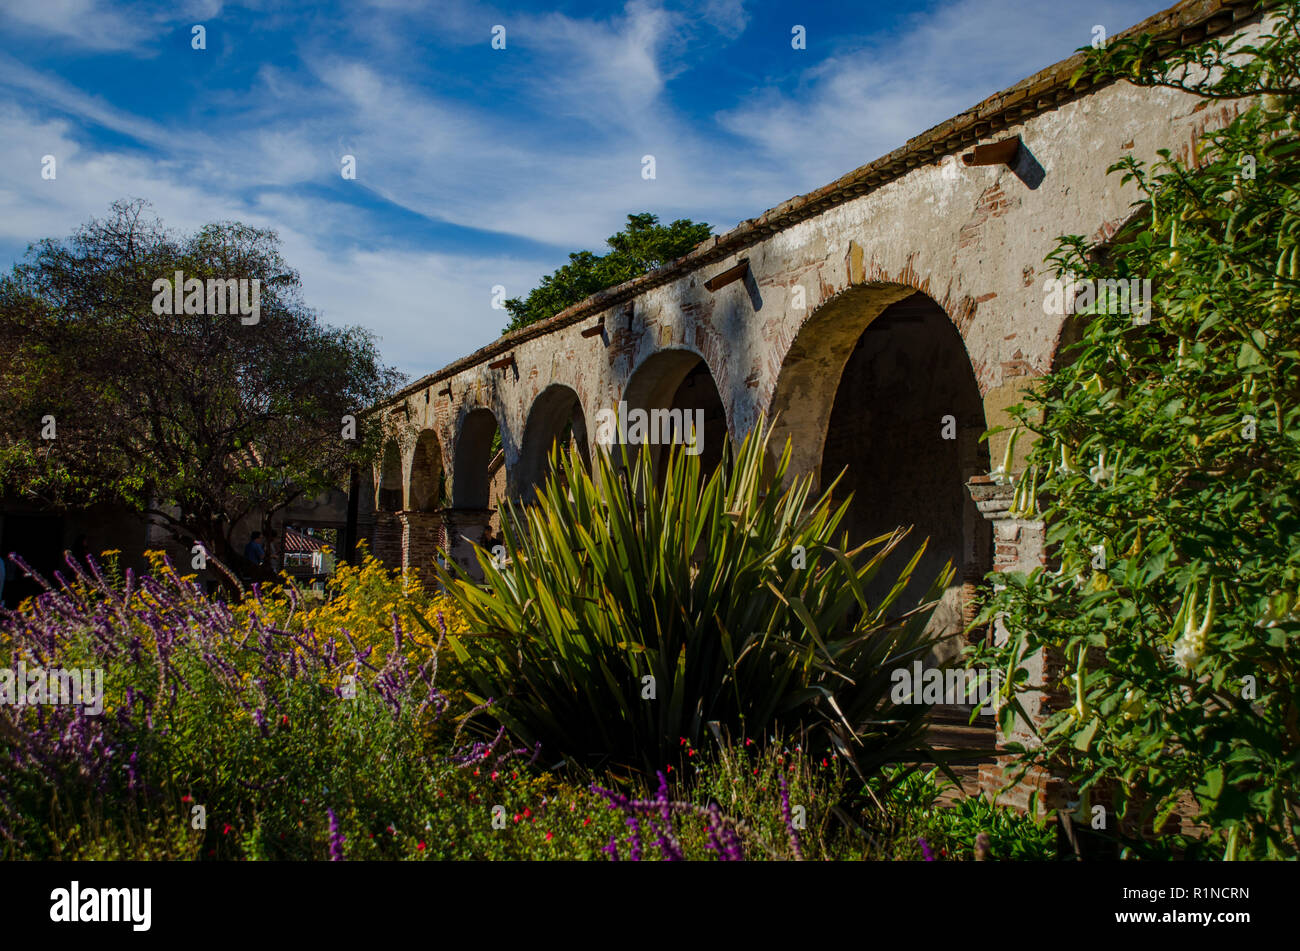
(755, 770)
(670, 767)
(824, 763)
(187, 798)
(586, 820)
(548, 837)
(518, 817)
(225, 830)
(494, 774)
(284, 719)
(690, 752)
(527, 811)
(419, 846)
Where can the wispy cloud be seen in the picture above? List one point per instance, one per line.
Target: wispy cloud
(475, 166)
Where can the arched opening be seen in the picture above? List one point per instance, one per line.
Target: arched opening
(675, 392)
(389, 496)
(905, 431)
(428, 483)
(472, 480)
(875, 383)
(556, 417)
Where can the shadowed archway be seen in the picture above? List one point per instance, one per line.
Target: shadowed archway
(389, 492)
(471, 481)
(878, 390)
(676, 390)
(427, 486)
(556, 416)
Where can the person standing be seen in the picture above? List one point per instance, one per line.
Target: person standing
(254, 551)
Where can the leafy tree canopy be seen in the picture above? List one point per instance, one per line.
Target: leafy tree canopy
(640, 247)
(200, 418)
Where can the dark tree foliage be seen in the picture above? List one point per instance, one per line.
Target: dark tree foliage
(200, 419)
(640, 247)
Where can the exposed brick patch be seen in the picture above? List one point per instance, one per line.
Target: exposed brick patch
(992, 203)
(1189, 153)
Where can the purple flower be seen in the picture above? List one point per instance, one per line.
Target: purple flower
(634, 824)
(788, 817)
(337, 838)
(925, 850)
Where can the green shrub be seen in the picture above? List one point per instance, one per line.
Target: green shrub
(727, 595)
(1167, 467)
(919, 828)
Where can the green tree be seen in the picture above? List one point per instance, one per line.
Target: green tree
(199, 419)
(640, 247)
(1167, 468)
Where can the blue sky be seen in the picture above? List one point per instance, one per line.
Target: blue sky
(477, 166)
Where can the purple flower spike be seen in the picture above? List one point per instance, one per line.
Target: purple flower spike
(336, 837)
(788, 817)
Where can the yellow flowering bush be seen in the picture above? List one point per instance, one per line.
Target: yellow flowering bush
(360, 604)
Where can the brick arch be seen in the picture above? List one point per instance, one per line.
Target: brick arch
(681, 378)
(389, 494)
(425, 481)
(470, 484)
(556, 409)
(804, 392)
(865, 393)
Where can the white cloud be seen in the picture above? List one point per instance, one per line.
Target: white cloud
(82, 22)
(870, 97)
(557, 161)
(428, 308)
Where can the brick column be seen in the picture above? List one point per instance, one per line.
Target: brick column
(462, 527)
(1020, 545)
(386, 539)
(421, 543)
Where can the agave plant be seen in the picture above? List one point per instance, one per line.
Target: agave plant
(634, 609)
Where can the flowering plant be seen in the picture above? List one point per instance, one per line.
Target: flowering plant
(1163, 612)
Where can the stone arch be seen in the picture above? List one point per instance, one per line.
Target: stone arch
(811, 369)
(865, 394)
(681, 380)
(388, 492)
(555, 415)
(471, 483)
(427, 484)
